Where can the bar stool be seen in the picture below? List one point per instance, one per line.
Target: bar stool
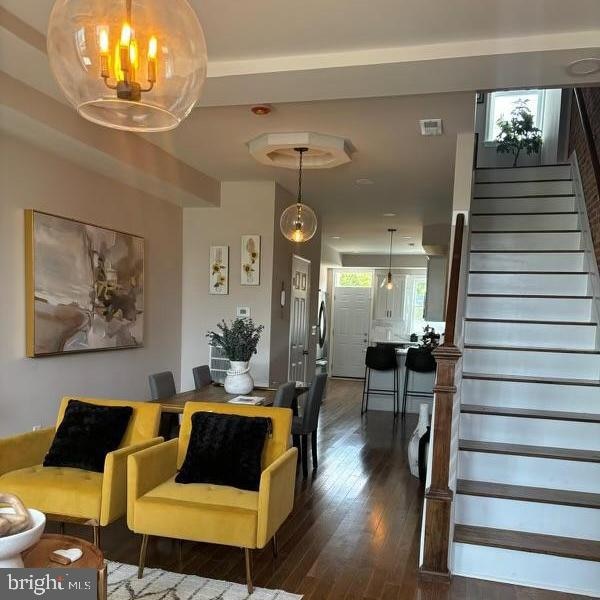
(418, 360)
(380, 358)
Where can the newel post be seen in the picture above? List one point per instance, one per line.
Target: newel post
(438, 496)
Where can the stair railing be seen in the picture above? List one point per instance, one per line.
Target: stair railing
(439, 494)
(589, 136)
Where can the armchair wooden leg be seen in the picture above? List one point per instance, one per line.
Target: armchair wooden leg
(61, 528)
(96, 529)
(180, 553)
(313, 439)
(249, 583)
(143, 550)
(275, 546)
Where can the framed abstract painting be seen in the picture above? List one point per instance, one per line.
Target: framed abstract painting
(219, 270)
(250, 272)
(84, 287)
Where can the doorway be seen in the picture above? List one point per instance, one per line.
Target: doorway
(299, 321)
(352, 293)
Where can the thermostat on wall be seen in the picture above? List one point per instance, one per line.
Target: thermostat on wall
(243, 311)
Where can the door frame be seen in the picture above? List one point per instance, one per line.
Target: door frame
(307, 342)
(333, 288)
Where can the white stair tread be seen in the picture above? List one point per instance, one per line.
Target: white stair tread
(507, 411)
(530, 379)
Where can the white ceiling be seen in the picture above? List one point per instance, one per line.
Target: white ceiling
(411, 174)
(244, 30)
(364, 70)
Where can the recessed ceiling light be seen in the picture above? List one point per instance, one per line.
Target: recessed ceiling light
(336, 237)
(389, 214)
(406, 237)
(584, 66)
(364, 181)
(261, 110)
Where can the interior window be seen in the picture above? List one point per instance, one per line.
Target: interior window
(415, 302)
(363, 279)
(500, 105)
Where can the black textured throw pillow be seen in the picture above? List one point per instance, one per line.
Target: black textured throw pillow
(87, 433)
(225, 450)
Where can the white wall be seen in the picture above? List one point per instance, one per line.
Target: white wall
(30, 388)
(247, 207)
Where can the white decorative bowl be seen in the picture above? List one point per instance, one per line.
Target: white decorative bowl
(12, 546)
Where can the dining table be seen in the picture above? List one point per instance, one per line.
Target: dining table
(173, 406)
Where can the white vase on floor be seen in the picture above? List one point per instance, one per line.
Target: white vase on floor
(419, 432)
(238, 379)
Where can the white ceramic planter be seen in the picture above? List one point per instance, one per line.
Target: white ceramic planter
(238, 379)
(12, 546)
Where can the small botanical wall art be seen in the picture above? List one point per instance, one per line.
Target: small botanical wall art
(250, 260)
(219, 270)
(84, 286)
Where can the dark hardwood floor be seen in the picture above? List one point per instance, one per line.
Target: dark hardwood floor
(354, 532)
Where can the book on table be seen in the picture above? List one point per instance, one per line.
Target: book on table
(252, 400)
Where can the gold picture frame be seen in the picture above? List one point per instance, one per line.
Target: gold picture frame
(84, 287)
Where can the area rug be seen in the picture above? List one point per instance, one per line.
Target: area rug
(157, 584)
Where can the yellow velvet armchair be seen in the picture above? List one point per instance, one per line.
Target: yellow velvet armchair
(216, 514)
(75, 495)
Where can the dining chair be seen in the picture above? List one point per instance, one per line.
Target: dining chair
(418, 360)
(202, 376)
(380, 358)
(309, 421)
(162, 385)
(284, 397)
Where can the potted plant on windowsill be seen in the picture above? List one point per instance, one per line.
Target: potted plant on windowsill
(239, 341)
(519, 133)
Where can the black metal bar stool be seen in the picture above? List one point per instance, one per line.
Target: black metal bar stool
(380, 358)
(418, 360)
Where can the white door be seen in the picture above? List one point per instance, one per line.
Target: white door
(351, 324)
(299, 325)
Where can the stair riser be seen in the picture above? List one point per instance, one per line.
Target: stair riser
(559, 222)
(523, 188)
(524, 173)
(549, 309)
(522, 261)
(526, 241)
(549, 285)
(538, 432)
(532, 517)
(528, 334)
(526, 568)
(538, 364)
(530, 471)
(523, 205)
(568, 398)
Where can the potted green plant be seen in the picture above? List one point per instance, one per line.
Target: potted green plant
(519, 133)
(238, 341)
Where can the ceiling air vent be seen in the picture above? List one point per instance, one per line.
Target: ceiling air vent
(431, 126)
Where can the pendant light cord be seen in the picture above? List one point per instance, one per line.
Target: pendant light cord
(301, 150)
(391, 234)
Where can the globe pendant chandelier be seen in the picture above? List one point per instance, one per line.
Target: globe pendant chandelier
(136, 65)
(298, 222)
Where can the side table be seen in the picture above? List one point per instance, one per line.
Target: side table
(38, 556)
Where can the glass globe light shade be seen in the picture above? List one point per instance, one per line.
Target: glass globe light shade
(137, 65)
(298, 222)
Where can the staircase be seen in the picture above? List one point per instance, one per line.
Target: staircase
(527, 505)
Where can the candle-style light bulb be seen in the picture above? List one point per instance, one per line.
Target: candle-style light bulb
(152, 53)
(104, 44)
(125, 34)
